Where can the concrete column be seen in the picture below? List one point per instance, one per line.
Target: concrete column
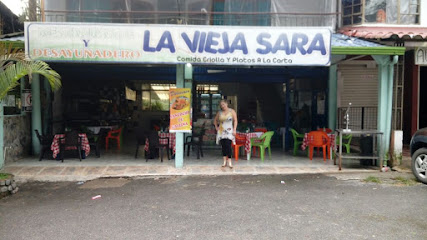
(332, 97)
(385, 101)
(22, 97)
(179, 144)
(287, 116)
(36, 116)
(382, 106)
(188, 83)
(47, 116)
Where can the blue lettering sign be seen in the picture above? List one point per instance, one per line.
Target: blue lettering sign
(192, 45)
(317, 44)
(166, 42)
(282, 43)
(298, 41)
(266, 44)
(239, 43)
(210, 41)
(226, 44)
(202, 42)
(146, 46)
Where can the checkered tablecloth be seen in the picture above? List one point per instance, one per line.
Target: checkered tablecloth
(55, 144)
(248, 137)
(171, 137)
(306, 141)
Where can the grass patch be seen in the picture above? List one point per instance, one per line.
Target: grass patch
(5, 176)
(406, 181)
(372, 179)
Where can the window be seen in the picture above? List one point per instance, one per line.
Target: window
(198, 12)
(352, 13)
(12, 102)
(206, 88)
(409, 12)
(233, 10)
(381, 11)
(142, 17)
(155, 97)
(208, 98)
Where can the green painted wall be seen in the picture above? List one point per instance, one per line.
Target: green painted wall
(332, 97)
(36, 116)
(385, 101)
(179, 146)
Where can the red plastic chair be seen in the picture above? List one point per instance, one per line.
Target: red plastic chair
(326, 130)
(240, 142)
(113, 135)
(264, 130)
(318, 139)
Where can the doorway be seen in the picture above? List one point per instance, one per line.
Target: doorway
(423, 98)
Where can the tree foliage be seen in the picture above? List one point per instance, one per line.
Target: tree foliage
(14, 66)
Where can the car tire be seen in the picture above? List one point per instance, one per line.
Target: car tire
(419, 164)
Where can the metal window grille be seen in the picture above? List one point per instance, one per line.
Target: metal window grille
(191, 17)
(356, 12)
(360, 118)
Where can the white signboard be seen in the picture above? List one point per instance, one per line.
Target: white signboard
(27, 103)
(175, 44)
(421, 56)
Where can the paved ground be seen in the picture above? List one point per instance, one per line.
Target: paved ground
(310, 206)
(123, 164)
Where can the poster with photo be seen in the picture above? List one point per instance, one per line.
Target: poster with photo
(180, 110)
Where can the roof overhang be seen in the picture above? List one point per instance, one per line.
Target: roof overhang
(385, 32)
(16, 39)
(15, 44)
(368, 50)
(347, 45)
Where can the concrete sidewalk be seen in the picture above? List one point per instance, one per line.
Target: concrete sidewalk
(122, 165)
(84, 173)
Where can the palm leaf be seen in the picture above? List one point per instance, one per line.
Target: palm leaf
(14, 66)
(8, 54)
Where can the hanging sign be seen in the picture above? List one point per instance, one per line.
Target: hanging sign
(27, 103)
(180, 110)
(421, 56)
(175, 44)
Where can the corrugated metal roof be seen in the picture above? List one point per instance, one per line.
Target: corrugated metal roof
(13, 39)
(341, 40)
(385, 32)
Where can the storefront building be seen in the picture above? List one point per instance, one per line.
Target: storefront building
(396, 23)
(298, 68)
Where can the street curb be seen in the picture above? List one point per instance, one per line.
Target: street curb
(77, 178)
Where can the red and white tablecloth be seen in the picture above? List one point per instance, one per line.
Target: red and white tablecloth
(171, 137)
(55, 144)
(306, 141)
(248, 137)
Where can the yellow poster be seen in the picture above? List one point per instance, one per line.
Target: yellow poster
(180, 110)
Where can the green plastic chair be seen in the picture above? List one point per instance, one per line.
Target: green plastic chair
(346, 144)
(298, 137)
(263, 142)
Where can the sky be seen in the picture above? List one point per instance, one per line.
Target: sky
(14, 5)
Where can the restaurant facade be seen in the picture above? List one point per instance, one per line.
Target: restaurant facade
(268, 73)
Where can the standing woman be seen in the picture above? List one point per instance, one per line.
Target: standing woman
(225, 124)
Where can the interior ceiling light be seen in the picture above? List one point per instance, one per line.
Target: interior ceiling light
(216, 71)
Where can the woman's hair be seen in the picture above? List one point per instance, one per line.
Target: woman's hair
(222, 101)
